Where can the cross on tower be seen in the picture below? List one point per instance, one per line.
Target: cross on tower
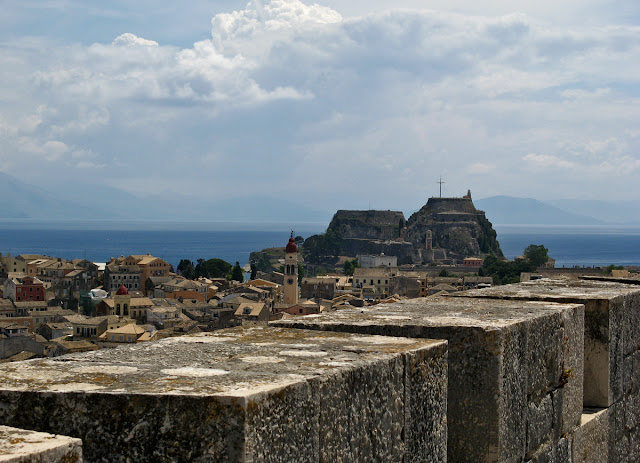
(440, 182)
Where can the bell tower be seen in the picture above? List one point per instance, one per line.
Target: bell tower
(121, 302)
(291, 272)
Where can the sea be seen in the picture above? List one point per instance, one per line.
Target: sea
(98, 241)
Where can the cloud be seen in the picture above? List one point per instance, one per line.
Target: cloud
(547, 161)
(354, 106)
(130, 40)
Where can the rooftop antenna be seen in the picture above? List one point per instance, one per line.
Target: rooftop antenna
(440, 182)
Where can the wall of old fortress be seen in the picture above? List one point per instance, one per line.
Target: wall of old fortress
(544, 371)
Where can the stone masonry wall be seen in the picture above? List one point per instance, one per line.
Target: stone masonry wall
(241, 395)
(511, 367)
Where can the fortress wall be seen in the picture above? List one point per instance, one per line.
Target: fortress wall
(510, 395)
(241, 395)
(612, 327)
(612, 361)
(402, 250)
(450, 204)
(22, 446)
(366, 224)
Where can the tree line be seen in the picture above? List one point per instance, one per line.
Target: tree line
(212, 268)
(505, 272)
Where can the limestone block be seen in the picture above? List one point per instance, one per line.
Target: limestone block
(243, 394)
(555, 452)
(22, 446)
(507, 365)
(612, 327)
(591, 438)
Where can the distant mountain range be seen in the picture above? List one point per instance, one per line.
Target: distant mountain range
(19, 200)
(507, 210)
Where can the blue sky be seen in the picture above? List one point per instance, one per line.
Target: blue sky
(335, 104)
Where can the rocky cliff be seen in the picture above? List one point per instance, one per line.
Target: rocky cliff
(374, 225)
(456, 226)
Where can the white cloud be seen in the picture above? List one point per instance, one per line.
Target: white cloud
(130, 40)
(480, 168)
(547, 161)
(392, 98)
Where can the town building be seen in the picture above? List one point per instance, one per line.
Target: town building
(24, 288)
(128, 334)
(118, 273)
(374, 282)
(318, 288)
(252, 312)
(378, 260)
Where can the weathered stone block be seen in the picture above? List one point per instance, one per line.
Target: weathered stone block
(22, 446)
(554, 452)
(505, 359)
(612, 327)
(591, 438)
(244, 394)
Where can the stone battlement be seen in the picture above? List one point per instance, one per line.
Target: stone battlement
(546, 371)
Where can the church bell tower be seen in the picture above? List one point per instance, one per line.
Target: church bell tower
(291, 272)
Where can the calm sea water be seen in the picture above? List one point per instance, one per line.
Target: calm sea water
(575, 245)
(95, 241)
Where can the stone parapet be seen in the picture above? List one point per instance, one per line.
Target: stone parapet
(242, 394)
(612, 329)
(23, 446)
(515, 367)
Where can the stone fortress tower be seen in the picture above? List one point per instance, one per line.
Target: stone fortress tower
(291, 272)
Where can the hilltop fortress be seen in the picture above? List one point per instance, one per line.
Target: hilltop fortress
(444, 230)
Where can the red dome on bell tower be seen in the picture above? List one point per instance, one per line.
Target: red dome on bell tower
(291, 246)
(122, 291)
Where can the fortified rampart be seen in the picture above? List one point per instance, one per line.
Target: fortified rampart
(375, 225)
(545, 371)
(405, 252)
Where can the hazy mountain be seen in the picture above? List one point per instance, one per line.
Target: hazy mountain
(510, 210)
(96, 202)
(615, 212)
(20, 200)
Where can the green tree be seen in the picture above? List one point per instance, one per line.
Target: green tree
(608, 270)
(237, 274)
(536, 254)
(350, 266)
(212, 268)
(443, 273)
(301, 273)
(186, 269)
(318, 246)
(505, 272)
(254, 271)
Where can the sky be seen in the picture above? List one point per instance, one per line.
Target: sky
(339, 104)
